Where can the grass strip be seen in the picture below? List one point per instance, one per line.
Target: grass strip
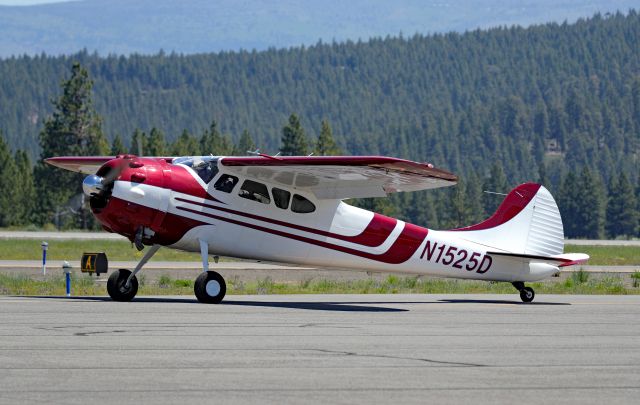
(121, 250)
(82, 285)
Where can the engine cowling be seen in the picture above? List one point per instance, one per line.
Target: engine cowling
(127, 195)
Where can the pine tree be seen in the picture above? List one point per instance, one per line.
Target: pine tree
(567, 200)
(294, 141)
(326, 145)
(622, 217)
(139, 143)
(117, 147)
(458, 212)
(156, 145)
(185, 145)
(473, 200)
(590, 206)
(26, 191)
(213, 142)
(9, 187)
(245, 144)
(74, 129)
(495, 183)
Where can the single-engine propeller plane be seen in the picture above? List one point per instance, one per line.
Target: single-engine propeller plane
(290, 209)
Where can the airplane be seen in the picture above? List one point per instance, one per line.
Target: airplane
(290, 209)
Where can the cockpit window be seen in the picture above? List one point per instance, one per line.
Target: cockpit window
(205, 166)
(281, 197)
(301, 205)
(255, 191)
(226, 183)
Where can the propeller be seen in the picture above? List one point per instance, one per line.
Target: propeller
(95, 185)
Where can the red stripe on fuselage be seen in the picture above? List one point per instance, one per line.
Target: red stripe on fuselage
(376, 232)
(402, 249)
(512, 205)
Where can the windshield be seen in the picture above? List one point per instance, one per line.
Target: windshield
(205, 166)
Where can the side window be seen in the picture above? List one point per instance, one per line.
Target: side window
(281, 198)
(226, 183)
(252, 190)
(301, 205)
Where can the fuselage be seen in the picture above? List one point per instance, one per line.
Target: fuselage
(179, 205)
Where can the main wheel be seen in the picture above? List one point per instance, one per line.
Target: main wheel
(527, 294)
(116, 286)
(210, 287)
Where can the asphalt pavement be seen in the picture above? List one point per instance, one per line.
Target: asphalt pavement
(321, 349)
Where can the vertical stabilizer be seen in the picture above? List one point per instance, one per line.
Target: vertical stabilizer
(527, 222)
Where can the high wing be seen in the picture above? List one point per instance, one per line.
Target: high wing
(80, 164)
(340, 177)
(327, 177)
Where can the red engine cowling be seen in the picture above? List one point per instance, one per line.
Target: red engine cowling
(117, 214)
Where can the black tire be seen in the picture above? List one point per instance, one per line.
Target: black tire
(527, 294)
(210, 288)
(116, 286)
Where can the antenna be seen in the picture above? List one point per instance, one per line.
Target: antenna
(493, 192)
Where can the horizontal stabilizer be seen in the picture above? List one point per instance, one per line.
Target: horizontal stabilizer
(563, 260)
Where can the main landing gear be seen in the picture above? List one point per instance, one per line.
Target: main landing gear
(209, 287)
(526, 293)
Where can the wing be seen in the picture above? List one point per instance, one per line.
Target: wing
(80, 164)
(340, 177)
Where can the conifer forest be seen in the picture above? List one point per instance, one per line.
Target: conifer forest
(557, 104)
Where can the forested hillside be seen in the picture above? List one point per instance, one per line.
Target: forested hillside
(123, 27)
(544, 102)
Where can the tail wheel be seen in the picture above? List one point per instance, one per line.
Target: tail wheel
(210, 288)
(117, 285)
(527, 294)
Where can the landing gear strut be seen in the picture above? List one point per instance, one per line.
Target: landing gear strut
(526, 293)
(209, 287)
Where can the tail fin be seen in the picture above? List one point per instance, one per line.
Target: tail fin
(527, 222)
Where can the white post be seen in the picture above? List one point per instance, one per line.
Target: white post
(45, 246)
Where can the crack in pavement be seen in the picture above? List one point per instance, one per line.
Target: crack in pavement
(346, 353)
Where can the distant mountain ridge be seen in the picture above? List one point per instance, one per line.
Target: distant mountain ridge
(200, 26)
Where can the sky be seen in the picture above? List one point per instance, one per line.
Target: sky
(27, 2)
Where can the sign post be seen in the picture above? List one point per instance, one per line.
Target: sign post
(66, 267)
(45, 246)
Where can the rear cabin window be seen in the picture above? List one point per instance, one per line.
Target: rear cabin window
(281, 197)
(301, 205)
(252, 190)
(226, 183)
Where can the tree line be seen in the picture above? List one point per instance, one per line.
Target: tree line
(555, 103)
(41, 194)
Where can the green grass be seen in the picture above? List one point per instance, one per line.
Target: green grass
(22, 249)
(121, 250)
(608, 255)
(84, 286)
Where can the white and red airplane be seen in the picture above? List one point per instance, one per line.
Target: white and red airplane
(290, 209)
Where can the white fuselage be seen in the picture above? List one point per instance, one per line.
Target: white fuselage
(334, 235)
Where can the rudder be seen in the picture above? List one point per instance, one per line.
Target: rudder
(526, 222)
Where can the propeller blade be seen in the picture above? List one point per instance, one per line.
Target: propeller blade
(115, 171)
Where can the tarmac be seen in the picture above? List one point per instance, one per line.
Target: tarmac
(321, 349)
